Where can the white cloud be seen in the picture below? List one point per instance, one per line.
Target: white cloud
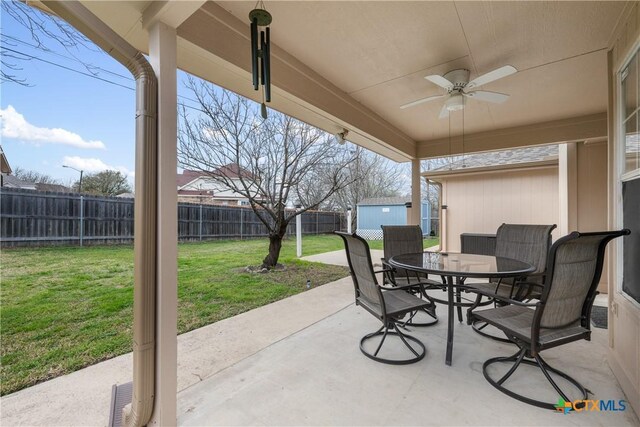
(14, 125)
(93, 165)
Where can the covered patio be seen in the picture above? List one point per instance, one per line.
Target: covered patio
(349, 66)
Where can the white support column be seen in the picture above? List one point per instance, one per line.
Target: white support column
(568, 187)
(415, 217)
(162, 56)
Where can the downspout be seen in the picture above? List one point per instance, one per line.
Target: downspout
(144, 293)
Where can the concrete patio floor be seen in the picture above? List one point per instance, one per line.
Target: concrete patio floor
(297, 362)
(319, 377)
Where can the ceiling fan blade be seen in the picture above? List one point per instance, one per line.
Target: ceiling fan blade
(483, 95)
(491, 76)
(444, 112)
(421, 101)
(440, 81)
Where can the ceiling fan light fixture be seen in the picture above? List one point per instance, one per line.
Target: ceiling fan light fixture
(455, 102)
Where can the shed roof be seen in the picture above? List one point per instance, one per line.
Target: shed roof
(377, 201)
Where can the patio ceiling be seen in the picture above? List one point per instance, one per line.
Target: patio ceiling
(352, 64)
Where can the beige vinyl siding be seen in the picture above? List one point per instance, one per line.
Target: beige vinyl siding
(479, 203)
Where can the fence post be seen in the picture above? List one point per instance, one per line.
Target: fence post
(200, 231)
(317, 230)
(241, 221)
(299, 233)
(81, 230)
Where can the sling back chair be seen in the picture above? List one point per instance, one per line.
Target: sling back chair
(523, 242)
(389, 304)
(562, 314)
(404, 239)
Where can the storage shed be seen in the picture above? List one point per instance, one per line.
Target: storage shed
(375, 212)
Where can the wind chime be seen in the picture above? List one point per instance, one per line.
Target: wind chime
(260, 54)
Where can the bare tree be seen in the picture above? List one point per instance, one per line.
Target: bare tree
(272, 157)
(44, 29)
(105, 183)
(33, 176)
(371, 175)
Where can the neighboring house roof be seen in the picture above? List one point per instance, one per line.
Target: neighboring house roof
(53, 187)
(126, 195)
(500, 158)
(385, 201)
(187, 176)
(232, 170)
(13, 182)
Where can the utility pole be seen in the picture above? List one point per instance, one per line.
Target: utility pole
(77, 170)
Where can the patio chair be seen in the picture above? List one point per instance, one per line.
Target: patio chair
(404, 239)
(523, 242)
(389, 304)
(562, 315)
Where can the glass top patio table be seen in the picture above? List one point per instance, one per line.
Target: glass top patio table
(461, 265)
(450, 265)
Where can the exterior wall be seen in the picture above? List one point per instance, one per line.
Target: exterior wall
(219, 191)
(206, 199)
(592, 194)
(480, 203)
(371, 217)
(624, 314)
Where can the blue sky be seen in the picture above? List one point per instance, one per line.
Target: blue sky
(65, 116)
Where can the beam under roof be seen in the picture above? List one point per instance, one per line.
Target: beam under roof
(556, 131)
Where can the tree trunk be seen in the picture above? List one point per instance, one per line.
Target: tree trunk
(275, 240)
(275, 244)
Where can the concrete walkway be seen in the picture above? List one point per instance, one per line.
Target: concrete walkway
(340, 257)
(82, 398)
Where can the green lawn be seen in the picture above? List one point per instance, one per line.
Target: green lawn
(65, 308)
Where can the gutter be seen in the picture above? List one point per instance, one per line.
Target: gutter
(138, 413)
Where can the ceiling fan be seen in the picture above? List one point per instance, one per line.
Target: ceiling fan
(457, 85)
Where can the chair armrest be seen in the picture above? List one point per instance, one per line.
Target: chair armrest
(501, 298)
(402, 287)
(427, 283)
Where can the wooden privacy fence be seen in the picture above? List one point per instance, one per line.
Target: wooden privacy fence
(32, 218)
